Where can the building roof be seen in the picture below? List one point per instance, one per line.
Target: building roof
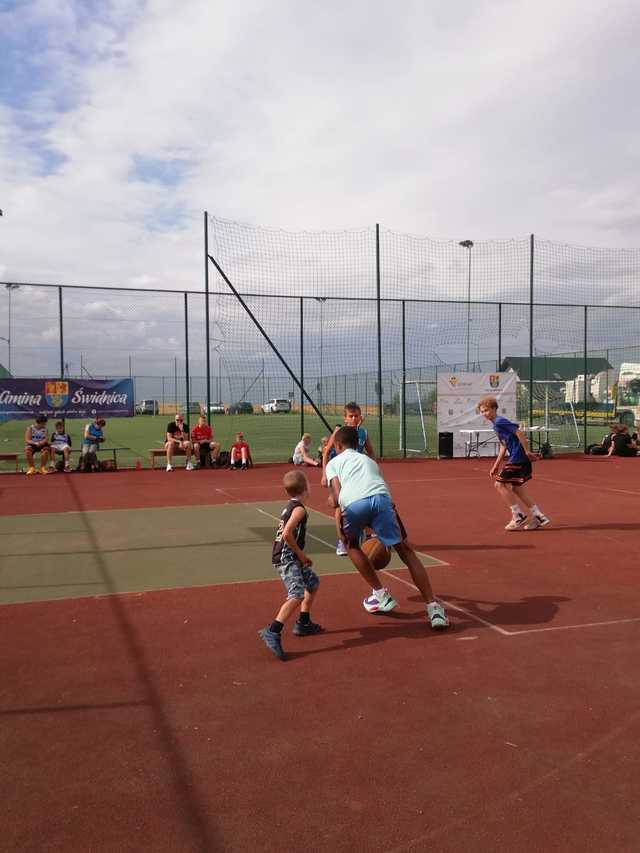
(551, 367)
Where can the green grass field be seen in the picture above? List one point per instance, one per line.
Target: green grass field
(271, 437)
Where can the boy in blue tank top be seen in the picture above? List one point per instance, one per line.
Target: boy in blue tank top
(511, 477)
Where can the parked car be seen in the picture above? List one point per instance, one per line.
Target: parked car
(241, 408)
(276, 405)
(195, 408)
(148, 407)
(217, 408)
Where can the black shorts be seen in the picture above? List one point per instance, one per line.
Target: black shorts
(515, 473)
(36, 448)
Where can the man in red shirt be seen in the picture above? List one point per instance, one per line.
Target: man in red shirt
(203, 444)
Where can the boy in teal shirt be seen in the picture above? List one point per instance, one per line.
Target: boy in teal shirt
(360, 492)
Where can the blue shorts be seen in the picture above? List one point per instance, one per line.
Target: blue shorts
(377, 512)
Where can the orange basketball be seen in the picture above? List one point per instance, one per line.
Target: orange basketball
(378, 553)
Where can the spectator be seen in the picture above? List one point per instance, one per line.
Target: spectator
(177, 439)
(36, 441)
(240, 454)
(204, 447)
(91, 440)
(603, 448)
(301, 455)
(622, 444)
(323, 443)
(61, 444)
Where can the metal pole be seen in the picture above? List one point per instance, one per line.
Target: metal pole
(468, 307)
(586, 365)
(379, 313)
(175, 380)
(206, 315)
(61, 333)
(186, 355)
(532, 249)
(499, 335)
(403, 413)
(301, 364)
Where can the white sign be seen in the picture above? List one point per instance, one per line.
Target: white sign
(458, 398)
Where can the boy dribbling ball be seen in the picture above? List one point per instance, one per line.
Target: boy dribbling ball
(293, 566)
(511, 477)
(362, 499)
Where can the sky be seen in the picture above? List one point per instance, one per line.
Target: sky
(121, 121)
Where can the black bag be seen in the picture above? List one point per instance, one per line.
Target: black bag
(89, 462)
(224, 459)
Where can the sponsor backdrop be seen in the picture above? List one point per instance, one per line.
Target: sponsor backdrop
(458, 397)
(68, 398)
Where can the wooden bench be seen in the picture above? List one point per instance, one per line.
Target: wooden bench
(10, 457)
(161, 452)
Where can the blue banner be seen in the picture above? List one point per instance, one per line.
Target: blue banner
(66, 398)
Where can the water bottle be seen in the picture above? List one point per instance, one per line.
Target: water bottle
(138, 465)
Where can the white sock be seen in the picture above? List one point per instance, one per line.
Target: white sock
(535, 509)
(379, 592)
(515, 510)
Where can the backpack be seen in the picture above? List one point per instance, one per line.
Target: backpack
(224, 459)
(88, 462)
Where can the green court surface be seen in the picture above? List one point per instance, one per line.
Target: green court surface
(66, 555)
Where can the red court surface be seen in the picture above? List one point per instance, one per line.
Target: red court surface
(158, 721)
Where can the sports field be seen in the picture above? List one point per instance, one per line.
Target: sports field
(140, 710)
(272, 437)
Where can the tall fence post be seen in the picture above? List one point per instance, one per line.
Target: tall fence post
(61, 333)
(403, 411)
(499, 336)
(379, 314)
(532, 250)
(301, 365)
(586, 366)
(206, 313)
(186, 355)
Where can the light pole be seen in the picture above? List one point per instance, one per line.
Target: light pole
(321, 300)
(468, 244)
(10, 288)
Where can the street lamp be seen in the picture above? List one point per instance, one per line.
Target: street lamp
(10, 288)
(468, 244)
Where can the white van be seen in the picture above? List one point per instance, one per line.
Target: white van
(274, 406)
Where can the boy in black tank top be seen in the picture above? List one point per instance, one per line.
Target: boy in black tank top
(293, 565)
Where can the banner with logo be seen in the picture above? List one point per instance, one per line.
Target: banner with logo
(66, 398)
(458, 398)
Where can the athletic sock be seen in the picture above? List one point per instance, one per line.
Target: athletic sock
(304, 617)
(535, 509)
(379, 592)
(276, 627)
(515, 510)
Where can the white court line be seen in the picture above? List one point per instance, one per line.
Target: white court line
(502, 631)
(597, 486)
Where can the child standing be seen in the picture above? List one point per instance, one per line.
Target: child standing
(352, 418)
(510, 478)
(364, 500)
(240, 457)
(293, 565)
(301, 455)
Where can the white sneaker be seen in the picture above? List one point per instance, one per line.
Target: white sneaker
(384, 604)
(538, 521)
(517, 522)
(341, 549)
(169, 467)
(437, 616)
(188, 467)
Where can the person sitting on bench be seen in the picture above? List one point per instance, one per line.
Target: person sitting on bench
(622, 444)
(204, 447)
(36, 440)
